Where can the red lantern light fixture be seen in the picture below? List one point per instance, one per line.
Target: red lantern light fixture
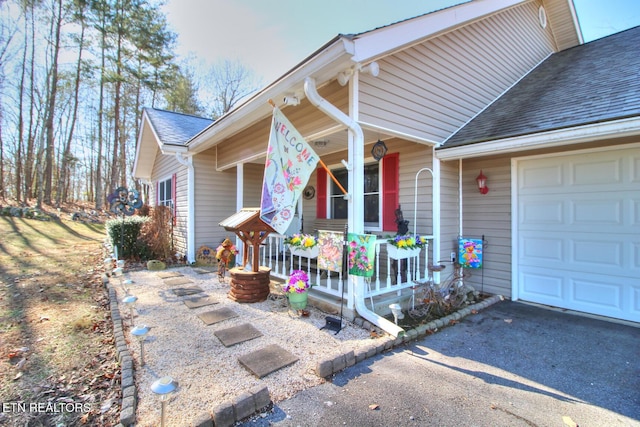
(482, 183)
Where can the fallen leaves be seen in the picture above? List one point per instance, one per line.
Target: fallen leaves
(374, 406)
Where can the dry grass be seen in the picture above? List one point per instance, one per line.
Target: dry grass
(56, 343)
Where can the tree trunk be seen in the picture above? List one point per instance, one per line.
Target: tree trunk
(64, 172)
(53, 90)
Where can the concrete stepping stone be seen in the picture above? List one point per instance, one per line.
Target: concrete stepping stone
(177, 281)
(202, 270)
(237, 334)
(197, 302)
(266, 360)
(192, 290)
(168, 274)
(216, 316)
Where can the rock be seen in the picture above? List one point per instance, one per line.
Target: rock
(155, 265)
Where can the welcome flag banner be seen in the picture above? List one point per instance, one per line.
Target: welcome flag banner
(290, 163)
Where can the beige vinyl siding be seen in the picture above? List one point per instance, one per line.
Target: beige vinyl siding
(306, 118)
(215, 199)
(164, 168)
(489, 215)
(253, 174)
(561, 23)
(431, 89)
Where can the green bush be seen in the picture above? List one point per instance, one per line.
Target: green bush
(130, 228)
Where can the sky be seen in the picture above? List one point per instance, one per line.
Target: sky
(271, 37)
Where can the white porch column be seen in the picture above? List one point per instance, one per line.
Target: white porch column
(356, 161)
(435, 206)
(239, 205)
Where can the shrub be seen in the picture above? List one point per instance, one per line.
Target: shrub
(125, 231)
(156, 235)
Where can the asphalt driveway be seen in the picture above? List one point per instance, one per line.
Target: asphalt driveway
(510, 365)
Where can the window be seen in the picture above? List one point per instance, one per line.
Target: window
(381, 193)
(165, 193)
(372, 195)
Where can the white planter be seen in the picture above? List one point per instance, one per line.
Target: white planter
(396, 253)
(307, 253)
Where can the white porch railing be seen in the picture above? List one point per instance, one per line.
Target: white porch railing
(387, 278)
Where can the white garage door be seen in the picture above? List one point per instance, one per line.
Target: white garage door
(578, 232)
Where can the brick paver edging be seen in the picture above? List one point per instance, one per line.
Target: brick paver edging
(127, 382)
(328, 367)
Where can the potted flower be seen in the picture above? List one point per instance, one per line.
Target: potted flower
(296, 288)
(405, 246)
(305, 245)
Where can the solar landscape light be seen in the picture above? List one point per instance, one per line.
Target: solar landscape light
(108, 265)
(164, 387)
(140, 333)
(126, 284)
(130, 301)
(120, 263)
(396, 309)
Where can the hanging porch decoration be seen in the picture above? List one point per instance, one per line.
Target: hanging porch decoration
(362, 252)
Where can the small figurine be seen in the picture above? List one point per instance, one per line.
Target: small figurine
(224, 254)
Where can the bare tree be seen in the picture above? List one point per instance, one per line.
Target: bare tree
(229, 82)
(67, 157)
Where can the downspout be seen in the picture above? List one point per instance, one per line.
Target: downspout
(357, 150)
(191, 243)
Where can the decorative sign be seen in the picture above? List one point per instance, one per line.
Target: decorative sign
(362, 251)
(205, 256)
(470, 253)
(330, 254)
(379, 150)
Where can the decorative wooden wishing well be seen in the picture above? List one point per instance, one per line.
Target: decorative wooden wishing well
(249, 285)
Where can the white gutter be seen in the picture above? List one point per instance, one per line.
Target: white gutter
(555, 138)
(191, 216)
(356, 151)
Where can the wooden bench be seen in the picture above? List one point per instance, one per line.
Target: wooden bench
(329, 224)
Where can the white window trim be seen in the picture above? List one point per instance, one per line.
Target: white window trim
(330, 183)
(164, 180)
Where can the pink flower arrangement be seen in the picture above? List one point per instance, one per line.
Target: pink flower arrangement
(298, 282)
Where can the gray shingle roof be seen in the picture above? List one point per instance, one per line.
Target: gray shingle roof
(176, 128)
(595, 82)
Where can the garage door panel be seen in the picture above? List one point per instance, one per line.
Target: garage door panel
(545, 176)
(635, 168)
(539, 250)
(548, 212)
(578, 232)
(594, 293)
(540, 287)
(595, 171)
(602, 212)
(635, 301)
(598, 253)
